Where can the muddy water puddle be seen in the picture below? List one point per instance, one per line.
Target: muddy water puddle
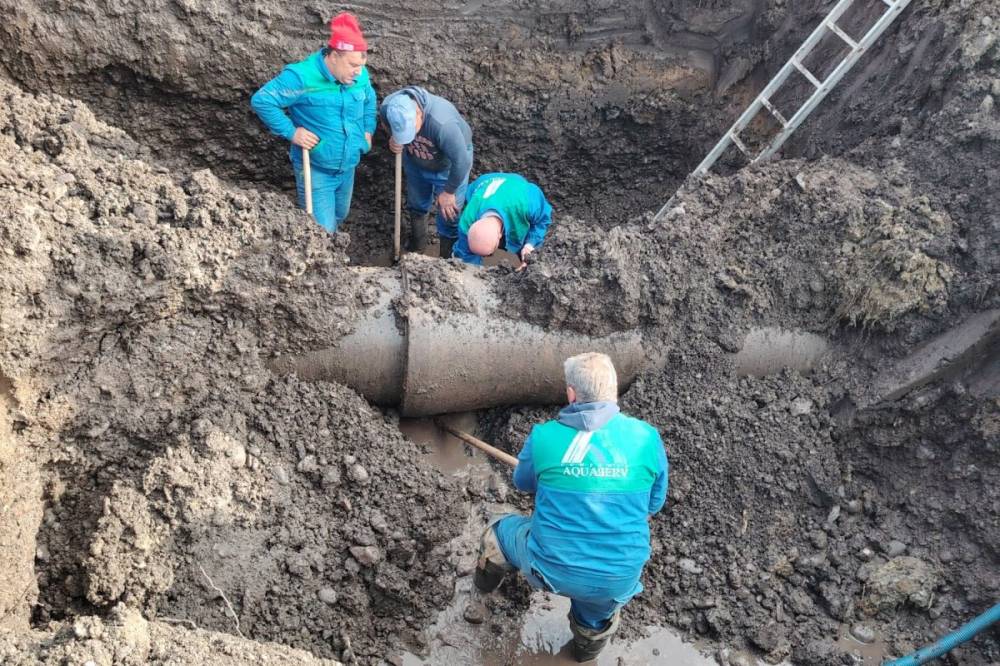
(871, 653)
(541, 637)
(445, 451)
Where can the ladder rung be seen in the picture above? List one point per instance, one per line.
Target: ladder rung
(774, 112)
(796, 62)
(835, 29)
(739, 144)
(806, 73)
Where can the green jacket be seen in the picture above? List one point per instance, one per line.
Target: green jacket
(305, 94)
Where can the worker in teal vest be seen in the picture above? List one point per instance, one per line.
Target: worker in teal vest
(598, 476)
(502, 207)
(325, 104)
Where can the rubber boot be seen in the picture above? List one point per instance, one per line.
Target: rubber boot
(446, 246)
(418, 231)
(587, 642)
(492, 566)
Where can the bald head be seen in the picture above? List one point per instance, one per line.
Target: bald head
(484, 235)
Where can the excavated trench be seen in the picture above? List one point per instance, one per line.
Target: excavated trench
(609, 110)
(196, 365)
(602, 155)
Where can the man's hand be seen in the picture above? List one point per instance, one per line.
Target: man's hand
(447, 205)
(395, 147)
(304, 138)
(527, 249)
(368, 138)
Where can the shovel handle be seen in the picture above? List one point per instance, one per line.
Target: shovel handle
(489, 450)
(307, 178)
(399, 206)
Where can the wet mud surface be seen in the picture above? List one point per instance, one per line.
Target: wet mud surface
(165, 495)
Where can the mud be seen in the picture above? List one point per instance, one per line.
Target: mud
(166, 484)
(540, 636)
(20, 516)
(270, 485)
(543, 639)
(125, 637)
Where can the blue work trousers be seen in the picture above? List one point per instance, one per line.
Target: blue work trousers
(331, 194)
(593, 600)
(423, 187)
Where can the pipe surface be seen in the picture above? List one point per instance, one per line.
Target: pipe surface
(467, 362)
(371, 359)
(941, 647)
(453, 361)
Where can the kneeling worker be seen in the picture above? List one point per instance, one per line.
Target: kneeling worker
(502, 206)
(436, 143)
(598, 476)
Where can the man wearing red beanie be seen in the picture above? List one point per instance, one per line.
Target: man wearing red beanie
(325, 104)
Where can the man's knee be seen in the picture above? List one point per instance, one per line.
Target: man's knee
(342, 200)
(325, 211)
(492, 564)
(446, 228)
(419, 194)
(329, 222)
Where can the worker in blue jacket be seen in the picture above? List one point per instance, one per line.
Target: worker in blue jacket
(325, 104)
(598, 476)
(502, 207)
(436, 143)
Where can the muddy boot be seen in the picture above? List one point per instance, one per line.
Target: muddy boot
(492, 566)
(587, 642)
(446, 246)
(418, 231)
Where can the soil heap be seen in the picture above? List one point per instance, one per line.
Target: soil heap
(138, 311)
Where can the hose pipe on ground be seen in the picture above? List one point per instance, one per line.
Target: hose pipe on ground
(951, 641)
(454, 355)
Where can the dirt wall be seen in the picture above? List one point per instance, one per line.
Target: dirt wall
(603, 103)
(20, 516)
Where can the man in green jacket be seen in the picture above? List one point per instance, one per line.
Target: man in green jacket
(598, 476)
(325, 104)
(502, 208)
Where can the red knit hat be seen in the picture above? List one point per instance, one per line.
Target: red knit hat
(345, 33)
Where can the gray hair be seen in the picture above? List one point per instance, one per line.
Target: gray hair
(592, 376)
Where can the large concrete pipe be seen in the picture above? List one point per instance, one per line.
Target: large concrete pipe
(429, 360)
(969, 353)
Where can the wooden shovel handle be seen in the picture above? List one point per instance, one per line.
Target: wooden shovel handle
(489, 450)
(307, 178)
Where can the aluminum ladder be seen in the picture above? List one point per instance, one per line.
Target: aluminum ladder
(821, 88)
